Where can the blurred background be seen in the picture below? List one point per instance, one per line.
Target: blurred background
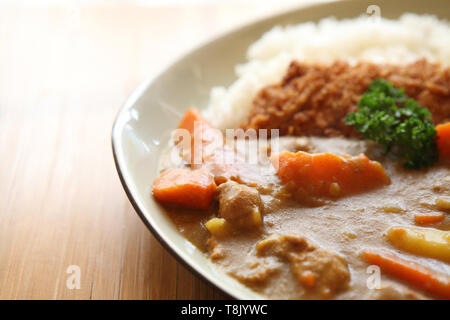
(66, 67)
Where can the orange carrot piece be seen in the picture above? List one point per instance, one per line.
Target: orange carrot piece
(417, 275)
(427, 219)
(211, 152)
(189, 119)
(185, 187)
(308, 279)
(329, 175)
(204, 142)
(443, 142)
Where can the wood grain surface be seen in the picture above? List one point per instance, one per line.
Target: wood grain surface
(64, 74)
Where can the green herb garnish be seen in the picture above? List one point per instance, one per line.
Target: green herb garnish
(398, 123)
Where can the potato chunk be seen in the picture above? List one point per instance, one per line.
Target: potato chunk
(443, 204)
(426, 242)
(218, 227)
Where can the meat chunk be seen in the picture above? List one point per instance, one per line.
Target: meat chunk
(283, 246)
(256, 272)
(240, 205)
(216, 251)
(322, 272)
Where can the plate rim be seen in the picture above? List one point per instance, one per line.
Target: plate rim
(140, 212)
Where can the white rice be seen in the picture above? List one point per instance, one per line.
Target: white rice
(361, 39)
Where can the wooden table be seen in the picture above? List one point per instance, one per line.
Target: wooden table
(64, 74)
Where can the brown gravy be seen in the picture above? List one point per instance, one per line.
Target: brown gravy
(345, 226)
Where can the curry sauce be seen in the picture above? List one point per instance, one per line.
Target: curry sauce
(313, 249)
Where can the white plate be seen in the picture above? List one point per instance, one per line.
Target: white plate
(143, 125)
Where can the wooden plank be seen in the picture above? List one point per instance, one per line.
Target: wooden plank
(65, 72)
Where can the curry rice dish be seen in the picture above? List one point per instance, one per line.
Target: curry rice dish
(359, 177)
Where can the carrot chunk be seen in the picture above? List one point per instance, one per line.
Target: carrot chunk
(417, 275)
(185, 187)
(443, 140)
(329, 175)
(189, 119)
(308, 279)
(203, 139)
(427, 219)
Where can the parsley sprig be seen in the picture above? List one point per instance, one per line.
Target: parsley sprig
(398, 123)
